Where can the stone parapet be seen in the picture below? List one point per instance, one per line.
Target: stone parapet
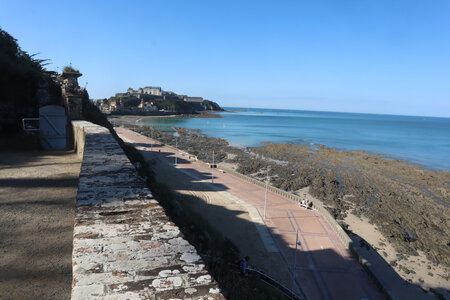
(125, 246)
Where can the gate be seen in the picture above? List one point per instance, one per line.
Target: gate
(53, 122)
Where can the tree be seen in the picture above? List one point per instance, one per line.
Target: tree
(25, 84)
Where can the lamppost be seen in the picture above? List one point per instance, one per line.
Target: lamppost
(176, 147)
(151, 144)
(297, 243)
(212, 169)
(265, 198)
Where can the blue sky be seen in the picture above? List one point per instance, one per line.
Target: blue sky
(374, 56)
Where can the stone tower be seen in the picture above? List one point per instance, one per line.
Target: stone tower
(72, 94)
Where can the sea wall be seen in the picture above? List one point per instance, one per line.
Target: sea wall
(124, 245)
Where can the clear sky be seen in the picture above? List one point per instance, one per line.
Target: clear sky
(370, 56)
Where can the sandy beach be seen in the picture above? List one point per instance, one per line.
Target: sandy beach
(416, 269)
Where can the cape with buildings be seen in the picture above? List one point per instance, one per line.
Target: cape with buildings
(154, 99)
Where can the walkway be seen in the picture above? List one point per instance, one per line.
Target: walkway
(324, 268)
(37, 200)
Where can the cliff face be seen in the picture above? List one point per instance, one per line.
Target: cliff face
(204, 106)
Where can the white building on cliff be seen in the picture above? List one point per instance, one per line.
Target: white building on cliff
(153, 90)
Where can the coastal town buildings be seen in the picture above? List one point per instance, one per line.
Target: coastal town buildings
(115, 104)
(152, 90)
(157, 91)
(153, 98)
(104, 107)
(147, 106)
(148, 90)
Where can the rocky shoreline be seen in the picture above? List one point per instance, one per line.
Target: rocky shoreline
(132, 119)
(406, 205)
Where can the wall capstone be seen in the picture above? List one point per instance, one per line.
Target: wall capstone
(125, 246)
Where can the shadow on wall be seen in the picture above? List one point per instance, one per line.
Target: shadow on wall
(332, 280)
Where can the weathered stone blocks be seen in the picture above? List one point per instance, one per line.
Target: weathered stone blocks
(125, 247)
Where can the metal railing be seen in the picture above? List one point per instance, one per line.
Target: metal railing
(271, 281)
(29, 127)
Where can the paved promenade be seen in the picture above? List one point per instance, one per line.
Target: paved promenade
(324, 267)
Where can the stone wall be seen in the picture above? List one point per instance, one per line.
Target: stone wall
(125, 247)
(72, 94)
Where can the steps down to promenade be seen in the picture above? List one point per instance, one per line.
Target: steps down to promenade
(125, 246)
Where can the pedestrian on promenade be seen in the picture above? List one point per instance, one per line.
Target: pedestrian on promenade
(243, 265)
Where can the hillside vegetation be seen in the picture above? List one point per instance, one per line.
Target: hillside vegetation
(168, 103)
(25, 84)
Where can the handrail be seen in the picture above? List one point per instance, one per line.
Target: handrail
(269, 280)
(30, 119)
(342, 235)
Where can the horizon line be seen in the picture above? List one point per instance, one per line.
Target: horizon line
(343, 112)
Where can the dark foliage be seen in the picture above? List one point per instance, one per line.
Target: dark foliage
(170, 103)
(181, 106)
(70, 69)
(25, 84)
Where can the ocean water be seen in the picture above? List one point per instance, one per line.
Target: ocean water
(422, 140)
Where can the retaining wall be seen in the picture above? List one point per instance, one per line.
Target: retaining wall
(124, 245)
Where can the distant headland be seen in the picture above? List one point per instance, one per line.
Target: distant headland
(154, 100)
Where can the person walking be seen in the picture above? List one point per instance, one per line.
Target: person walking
(243, 265)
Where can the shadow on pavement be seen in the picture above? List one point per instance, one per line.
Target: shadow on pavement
(38, 182)
(320, 272)
(37, 200)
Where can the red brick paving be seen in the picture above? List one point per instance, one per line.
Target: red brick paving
(325, 268)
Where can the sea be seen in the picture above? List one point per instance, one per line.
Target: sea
(419, 140)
